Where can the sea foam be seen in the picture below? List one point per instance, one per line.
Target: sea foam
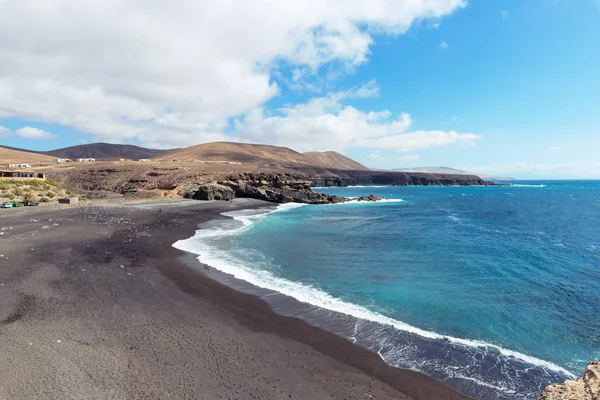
(225, 262)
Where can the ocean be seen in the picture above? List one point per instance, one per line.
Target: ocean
(494, 290)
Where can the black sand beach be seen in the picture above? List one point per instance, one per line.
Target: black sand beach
(97, 304)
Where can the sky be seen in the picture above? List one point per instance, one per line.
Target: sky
(505, 87)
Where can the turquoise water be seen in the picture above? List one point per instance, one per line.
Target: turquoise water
(495, 290)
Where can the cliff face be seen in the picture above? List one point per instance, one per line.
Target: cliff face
(365, 178)
(283, 185)
(585, 388)
(274, 187)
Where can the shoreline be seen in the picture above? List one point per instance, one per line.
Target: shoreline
(112, 291)
(432, 347)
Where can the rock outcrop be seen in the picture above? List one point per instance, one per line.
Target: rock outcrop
(273, 187)
(277, 187)
(208, 191)
(388, 178)
(585, 388)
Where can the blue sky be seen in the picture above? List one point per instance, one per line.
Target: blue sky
(502, 87)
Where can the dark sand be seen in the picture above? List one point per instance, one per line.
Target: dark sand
(97, 304)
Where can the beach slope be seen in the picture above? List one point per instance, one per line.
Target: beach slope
(98, 304)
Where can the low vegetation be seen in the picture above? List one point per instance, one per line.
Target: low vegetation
(31, 190)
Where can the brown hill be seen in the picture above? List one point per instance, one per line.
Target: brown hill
(334, 160)
(14, 156)
(105, 152)
(238, 152)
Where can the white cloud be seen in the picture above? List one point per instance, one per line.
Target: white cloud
(554, 148)
(444, 45)
(174, 73)
(34, 133)
(504, 14)
(27, 133)
(327, 123)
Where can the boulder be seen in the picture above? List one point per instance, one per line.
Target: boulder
(371, 197)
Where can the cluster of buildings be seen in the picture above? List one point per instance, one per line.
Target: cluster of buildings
(66, 160)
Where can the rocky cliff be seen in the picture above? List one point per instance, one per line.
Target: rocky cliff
(365, 178)
(271, 184)
(274, 187)
(585, 388)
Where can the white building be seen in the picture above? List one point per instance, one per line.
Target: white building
(19, 165)
(60, 160)
(86, 160)
(144, 160)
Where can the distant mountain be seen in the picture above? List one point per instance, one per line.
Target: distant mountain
(105, 152)
(11, 155)
(447, 170)
(237, 152)
(334, 160)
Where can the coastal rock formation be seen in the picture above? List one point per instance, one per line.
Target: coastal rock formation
(387, 178)
(585, 388)
(277, 187)
(370, 197)
(273, 187)
(209, 191)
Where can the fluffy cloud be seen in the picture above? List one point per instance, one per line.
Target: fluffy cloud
(326, 123)
(175, 73)
(34, 133)
(27, 133)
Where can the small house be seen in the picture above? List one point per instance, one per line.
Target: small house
(86, 160)
(18, 174)
(61, 160)
(144, 160)
(19, 166)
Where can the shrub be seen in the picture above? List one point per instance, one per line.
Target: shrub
(50, 194)
(28, 197)
(35, 183)
(9, 196)
(53, 183)
(18, 192)
(44, 200)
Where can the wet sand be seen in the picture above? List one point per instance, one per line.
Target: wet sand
(97, 304)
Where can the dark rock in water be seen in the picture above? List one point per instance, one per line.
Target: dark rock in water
(371, 197)
(209, 191)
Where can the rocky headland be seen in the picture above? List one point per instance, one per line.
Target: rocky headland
(226, 182)
(276, 188)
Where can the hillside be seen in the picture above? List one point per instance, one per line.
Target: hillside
(334, 160)
(446, 170)
(237, 152)
(13, 156)
(105, 152)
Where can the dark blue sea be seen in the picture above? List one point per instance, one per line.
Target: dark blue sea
(494, 290)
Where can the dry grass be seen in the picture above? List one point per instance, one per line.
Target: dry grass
(32, 189)
(8, 156)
